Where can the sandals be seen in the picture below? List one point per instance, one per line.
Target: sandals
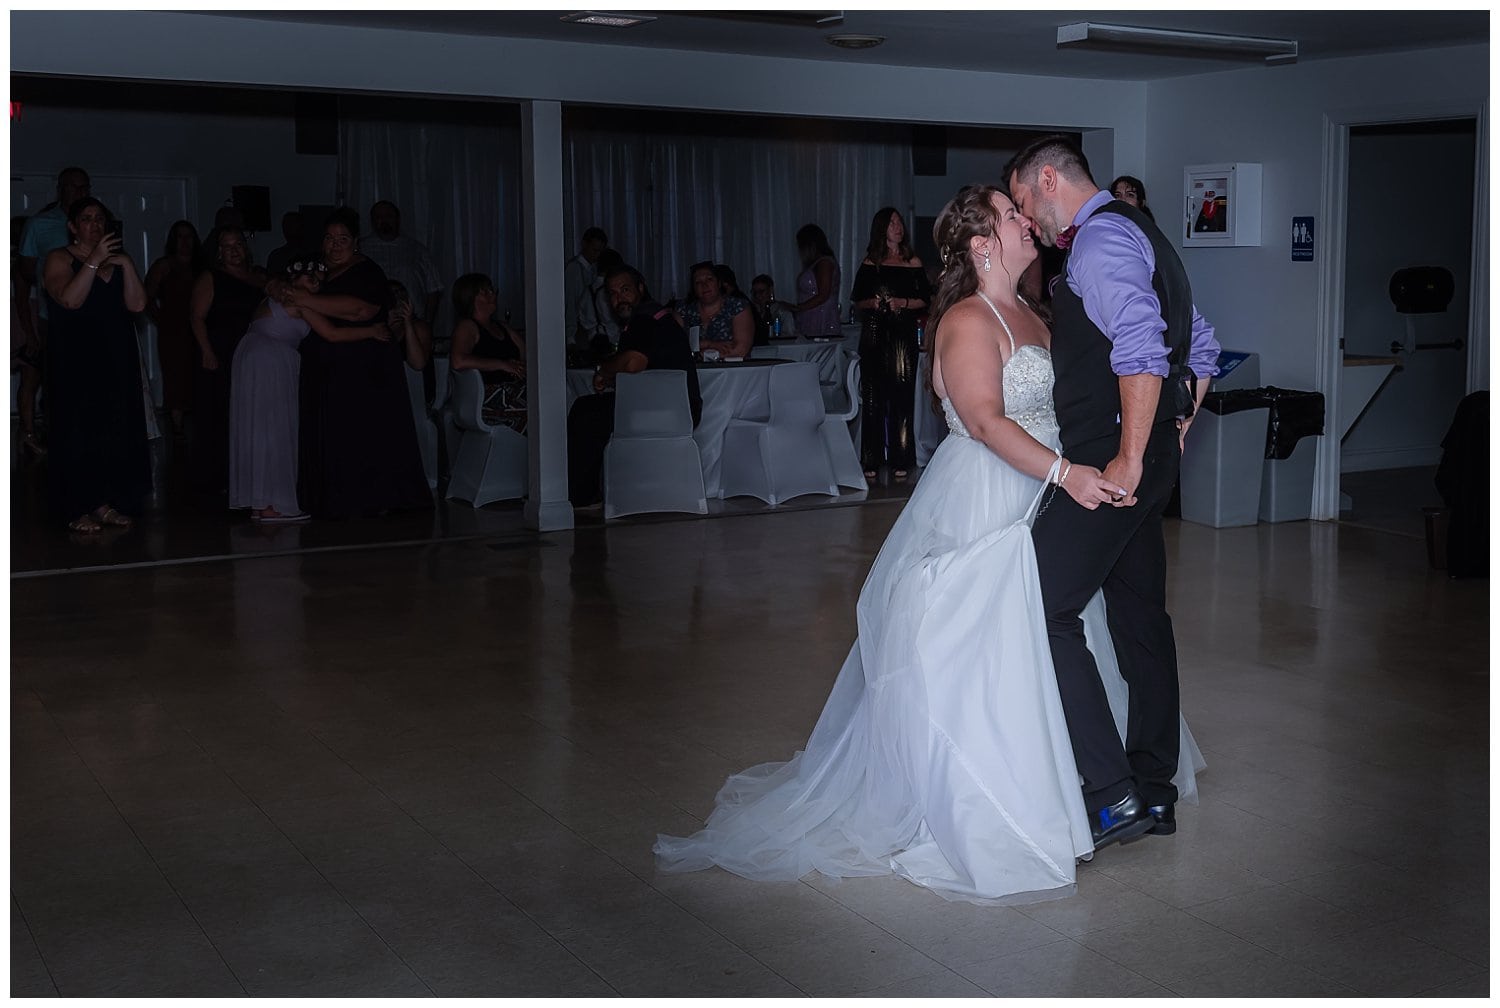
(899, 473)
(86, 525)
(106, 515)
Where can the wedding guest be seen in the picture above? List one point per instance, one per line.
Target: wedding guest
(725, 323)
(768, 311)
(606, 327)
(579, 276)
(44, 231)
(817, 309)
(358, 452)
(263, 413)
(404, 259)
(293, 244)
(169, 296)
(99, 466)
(891, 290)
(224, 298)
(483, 343)
(1129, 189)
(651, 338)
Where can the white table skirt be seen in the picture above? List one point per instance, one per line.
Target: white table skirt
(729, 392)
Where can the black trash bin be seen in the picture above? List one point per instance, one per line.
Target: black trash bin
(1222, 467)
(1296, 417)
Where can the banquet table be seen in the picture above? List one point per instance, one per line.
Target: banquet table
(831, 355)
(730, 389)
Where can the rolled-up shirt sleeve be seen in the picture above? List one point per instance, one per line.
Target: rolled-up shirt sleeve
(1110, 268)
(1203, 354)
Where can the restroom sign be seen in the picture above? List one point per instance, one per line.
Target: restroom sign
(1302, 239)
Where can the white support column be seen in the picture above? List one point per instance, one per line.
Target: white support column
(547, 507)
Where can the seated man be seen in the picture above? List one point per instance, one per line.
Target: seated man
(650, 339)
(768, 310)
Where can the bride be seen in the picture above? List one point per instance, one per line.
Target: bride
(942, 754)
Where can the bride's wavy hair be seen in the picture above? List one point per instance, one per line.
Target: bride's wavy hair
(968, 215)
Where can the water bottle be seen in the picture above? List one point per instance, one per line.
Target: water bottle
(776, 327)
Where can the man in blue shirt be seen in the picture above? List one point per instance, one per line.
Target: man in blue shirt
(1127, 346)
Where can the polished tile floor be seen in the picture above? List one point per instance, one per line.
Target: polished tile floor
(438, 768)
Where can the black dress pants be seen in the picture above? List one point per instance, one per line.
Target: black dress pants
(1122, 551)
(591, 421)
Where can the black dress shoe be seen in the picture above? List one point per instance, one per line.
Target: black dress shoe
(1166, 819)
(1126, 820)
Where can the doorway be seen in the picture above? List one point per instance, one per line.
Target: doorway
(1393, 381)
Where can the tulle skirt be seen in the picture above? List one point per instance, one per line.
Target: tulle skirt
(942, 754)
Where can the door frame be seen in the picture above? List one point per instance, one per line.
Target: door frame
(1334, 210)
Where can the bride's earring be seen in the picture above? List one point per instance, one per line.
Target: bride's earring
(986, 262)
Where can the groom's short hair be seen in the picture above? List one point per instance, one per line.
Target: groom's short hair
(1058, 151)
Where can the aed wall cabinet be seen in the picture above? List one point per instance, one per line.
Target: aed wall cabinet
(1221, 205)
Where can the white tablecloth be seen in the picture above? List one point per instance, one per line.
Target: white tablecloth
(831, 356)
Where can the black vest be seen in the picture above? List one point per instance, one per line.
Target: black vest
(1086, 390)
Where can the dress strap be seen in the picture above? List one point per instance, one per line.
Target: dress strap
(1008, 334)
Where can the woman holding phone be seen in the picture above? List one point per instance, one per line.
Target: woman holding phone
(99, 467)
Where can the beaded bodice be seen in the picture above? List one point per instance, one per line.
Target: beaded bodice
(1027, 385)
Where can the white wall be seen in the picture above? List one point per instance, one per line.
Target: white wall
(1259, 299)
(215, 152)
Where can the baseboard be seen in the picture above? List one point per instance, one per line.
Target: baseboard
(1390, 458)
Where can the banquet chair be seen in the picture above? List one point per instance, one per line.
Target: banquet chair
(928, 426)
(651, 462)
(427, 428)
(491, 460)
(840, 434)
(782, 456)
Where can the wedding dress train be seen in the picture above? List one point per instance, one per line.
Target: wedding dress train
(942, 753)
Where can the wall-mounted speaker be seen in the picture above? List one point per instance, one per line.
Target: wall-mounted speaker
(317, 117)
(929, 150)
(254, 204)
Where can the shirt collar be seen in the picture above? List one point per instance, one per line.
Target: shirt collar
(1093, 203)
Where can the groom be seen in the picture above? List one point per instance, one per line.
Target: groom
(1126, 346)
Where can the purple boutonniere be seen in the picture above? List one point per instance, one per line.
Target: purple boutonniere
(1065, 237)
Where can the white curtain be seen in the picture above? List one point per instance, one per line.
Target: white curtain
(455, 174)
(735, 191)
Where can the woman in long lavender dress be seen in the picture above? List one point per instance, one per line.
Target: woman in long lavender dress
(263, 409)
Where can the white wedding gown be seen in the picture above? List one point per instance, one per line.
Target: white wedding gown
(942, 754)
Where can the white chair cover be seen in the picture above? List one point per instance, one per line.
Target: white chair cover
(839, 436)
(491, 460)
(651, 462)
(427, 430)
(784, 456)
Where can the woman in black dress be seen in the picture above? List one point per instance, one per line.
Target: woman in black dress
(99, 462)
(892, 291)
(358, 451)
(224, 299)
(482, 343)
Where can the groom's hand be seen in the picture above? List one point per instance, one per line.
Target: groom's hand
(1126, 473)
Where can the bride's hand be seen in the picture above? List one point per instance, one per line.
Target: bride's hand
(1089, 488)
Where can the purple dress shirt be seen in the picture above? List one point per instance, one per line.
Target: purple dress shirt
(1110, 266)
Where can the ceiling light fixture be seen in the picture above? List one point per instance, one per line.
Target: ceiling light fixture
(607, 20)
(1125, 38)
(854, 41)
